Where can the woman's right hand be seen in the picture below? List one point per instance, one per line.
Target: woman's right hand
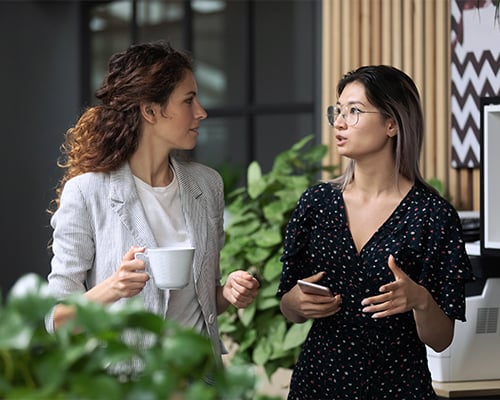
(127, 281)
(298, 306)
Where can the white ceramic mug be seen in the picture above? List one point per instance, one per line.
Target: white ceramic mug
(170, 267)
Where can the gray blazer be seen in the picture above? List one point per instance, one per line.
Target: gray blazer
(101, 216)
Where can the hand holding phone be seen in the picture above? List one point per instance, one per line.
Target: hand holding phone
(314, 288)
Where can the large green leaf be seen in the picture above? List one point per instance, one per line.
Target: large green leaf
(247, 314)
(262, 351)
(248, 339)
(14, 332)
(256, 182)
(275, 211)
(269, 290)
(264, 304)
(272, 269)
(296, 335)
(267, 237)
(256, 255)
(244, 228)
(101, 387)
(226, 323)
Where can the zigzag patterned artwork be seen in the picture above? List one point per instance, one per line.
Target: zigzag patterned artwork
(475, 67)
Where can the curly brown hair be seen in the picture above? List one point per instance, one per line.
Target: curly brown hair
(107, 134)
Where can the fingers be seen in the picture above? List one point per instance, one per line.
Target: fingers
(313, 306)
(129, 255)
(398, 272)
(130, 278)
(129, 263)
(393, 297)
(245, 279)
(315, 277)
(241, 288)
(381, 298)
(382, 306)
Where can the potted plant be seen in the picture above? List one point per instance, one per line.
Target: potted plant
(259, 214)
(77, 360)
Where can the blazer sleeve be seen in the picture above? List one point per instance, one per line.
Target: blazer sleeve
(73, 244)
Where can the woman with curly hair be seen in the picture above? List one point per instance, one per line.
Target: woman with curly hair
(124, 190)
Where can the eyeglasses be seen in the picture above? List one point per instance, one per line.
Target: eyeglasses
(349, 113)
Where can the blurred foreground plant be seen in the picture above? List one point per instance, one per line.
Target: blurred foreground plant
(76, 362)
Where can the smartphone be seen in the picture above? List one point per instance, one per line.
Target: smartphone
(313, 288)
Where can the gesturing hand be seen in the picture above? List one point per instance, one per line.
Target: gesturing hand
(399, 296)
(240, 289)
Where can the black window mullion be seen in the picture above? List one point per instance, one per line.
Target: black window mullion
(250, 82)
(85, 91)
(134, 26)
(188, 28)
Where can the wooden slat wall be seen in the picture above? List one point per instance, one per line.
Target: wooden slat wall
(413, 35)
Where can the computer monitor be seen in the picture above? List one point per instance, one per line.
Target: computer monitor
(490, 175)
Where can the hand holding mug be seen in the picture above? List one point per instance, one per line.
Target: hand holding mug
(170, 267)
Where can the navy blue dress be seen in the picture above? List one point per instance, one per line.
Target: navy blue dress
(351, 355)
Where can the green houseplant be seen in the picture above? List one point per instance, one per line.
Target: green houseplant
(259, 214)
(74, 362)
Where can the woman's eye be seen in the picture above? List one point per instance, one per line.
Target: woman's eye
(354, 110)
(189, 101)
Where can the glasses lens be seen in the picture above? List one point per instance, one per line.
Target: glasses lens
(330, 113)
(352, 117)
(349, 115)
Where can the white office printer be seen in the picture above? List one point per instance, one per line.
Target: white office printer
(475, 351)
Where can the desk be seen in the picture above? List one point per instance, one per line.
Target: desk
(471, 389)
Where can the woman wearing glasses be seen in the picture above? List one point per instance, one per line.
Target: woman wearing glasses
(388, 247)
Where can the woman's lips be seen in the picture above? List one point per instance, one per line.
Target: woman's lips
(340, 140)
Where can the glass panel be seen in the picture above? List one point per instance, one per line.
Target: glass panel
(219, 50)
(276, 133)
(220, 145)
(161, 20)
(284, 52)
(110, 33)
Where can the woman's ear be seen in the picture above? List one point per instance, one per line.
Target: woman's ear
(392, 128)
(148, 112)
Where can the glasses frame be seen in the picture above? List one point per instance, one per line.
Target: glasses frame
(330, 114)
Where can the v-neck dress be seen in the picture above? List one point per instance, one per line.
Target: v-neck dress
(350, 355)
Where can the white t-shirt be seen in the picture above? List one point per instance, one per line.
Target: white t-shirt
(162, 206)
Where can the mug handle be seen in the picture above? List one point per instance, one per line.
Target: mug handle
(142, 257)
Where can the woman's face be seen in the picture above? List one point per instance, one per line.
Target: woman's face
(178, 122)
(370, 134)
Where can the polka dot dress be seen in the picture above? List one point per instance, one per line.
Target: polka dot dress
(351, 355)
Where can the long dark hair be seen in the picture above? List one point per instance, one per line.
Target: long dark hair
(396, 96)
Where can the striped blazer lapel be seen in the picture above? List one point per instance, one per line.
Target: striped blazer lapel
(195, 210)
(126, 203)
